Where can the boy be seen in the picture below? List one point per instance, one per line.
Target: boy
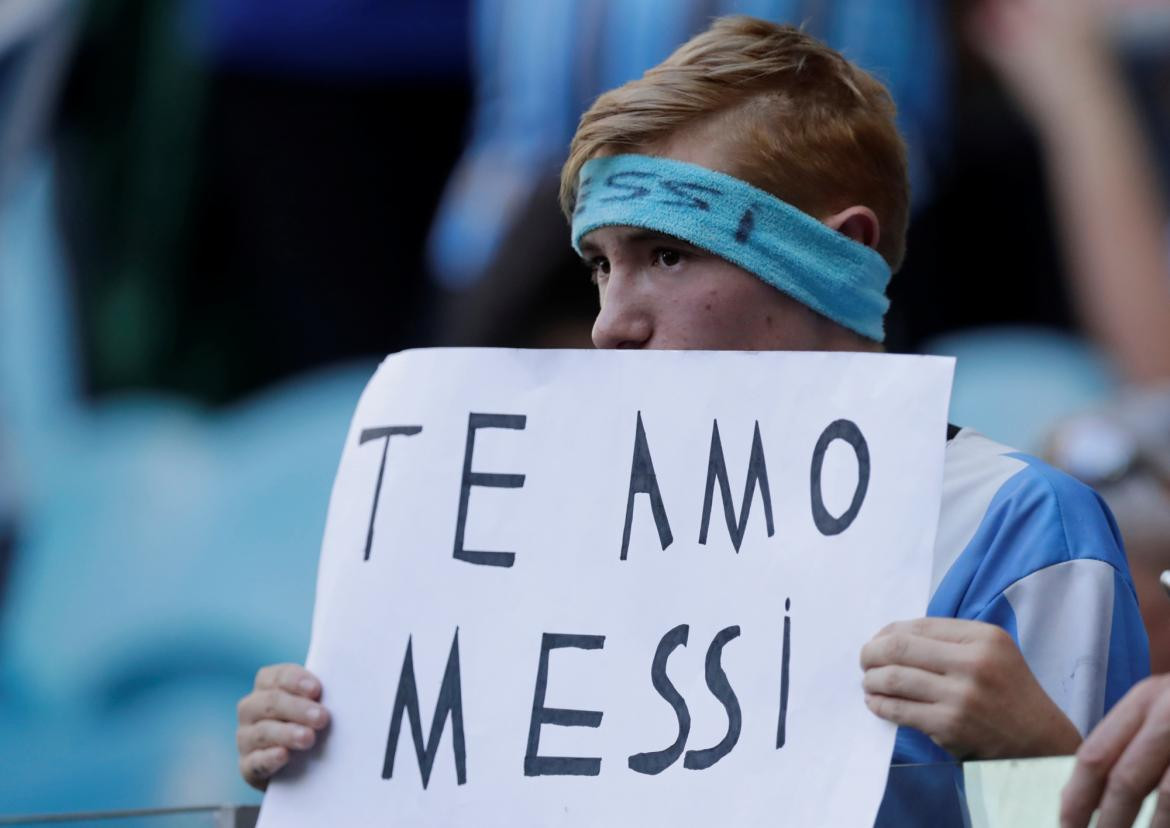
(751, 193)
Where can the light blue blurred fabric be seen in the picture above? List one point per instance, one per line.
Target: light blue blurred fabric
(539, 65)
(1013, 383)
(156, 747)
(39, 375)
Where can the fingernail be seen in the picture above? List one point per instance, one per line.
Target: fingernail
(313, 713)
(307, 685)
(304, 736)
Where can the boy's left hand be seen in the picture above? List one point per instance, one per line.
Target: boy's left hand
(966, 685)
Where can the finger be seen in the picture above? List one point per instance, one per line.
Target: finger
(955, 630)
(290, 677)
(900, 682)
(1139, 769)
(1161, 818)
(905, 713)
(905, 649)
(282, 706)
(258, 767)
(1099, 753)
(270, 734)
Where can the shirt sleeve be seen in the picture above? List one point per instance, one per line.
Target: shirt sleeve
(1078, 627)
(1046, 564)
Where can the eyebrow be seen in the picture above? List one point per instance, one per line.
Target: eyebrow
(637, 236)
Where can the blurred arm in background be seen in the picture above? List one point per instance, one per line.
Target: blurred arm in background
(1054, 58)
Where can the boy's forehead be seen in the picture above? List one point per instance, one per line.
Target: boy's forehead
(705, 144)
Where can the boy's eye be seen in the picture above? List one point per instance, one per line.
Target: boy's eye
(598, 267)
(667, 257)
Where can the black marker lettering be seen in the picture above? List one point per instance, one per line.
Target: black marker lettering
(582, 194)
(375, 434)
(498, 481)
(747, 223)
(450, 704)
(632, 191)
(720, 687)
(717, 470)
(686, 192)
(643, 480)
(783, 720)
(848, 431)
(534, 763)
(658, 761)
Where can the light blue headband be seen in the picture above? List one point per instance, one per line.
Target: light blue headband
(790, 250)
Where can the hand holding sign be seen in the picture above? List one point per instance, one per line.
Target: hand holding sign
(966, 685)
(280, 715)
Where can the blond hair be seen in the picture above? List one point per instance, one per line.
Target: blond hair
(800, 121)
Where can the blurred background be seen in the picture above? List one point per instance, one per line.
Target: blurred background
(217, 215)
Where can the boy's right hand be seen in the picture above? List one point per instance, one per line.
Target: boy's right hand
(281, 714)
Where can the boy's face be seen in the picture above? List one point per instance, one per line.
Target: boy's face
(656, 291)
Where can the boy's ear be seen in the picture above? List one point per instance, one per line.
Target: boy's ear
(858, 223)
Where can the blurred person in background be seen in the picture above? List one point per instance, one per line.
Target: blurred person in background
(995, 183)
(1058, 61)
(35, 39)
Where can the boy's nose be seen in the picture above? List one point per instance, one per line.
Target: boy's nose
(623, 321)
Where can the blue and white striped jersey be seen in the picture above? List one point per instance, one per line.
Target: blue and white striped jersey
(1029, 548)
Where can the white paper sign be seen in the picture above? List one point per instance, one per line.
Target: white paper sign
(543, 598)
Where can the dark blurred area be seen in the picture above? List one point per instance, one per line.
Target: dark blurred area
(279, 163)
(986, 250)
(217, 215)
